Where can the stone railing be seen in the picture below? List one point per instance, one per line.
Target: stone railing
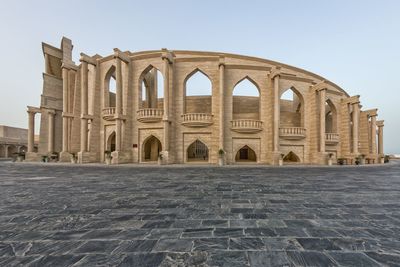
(246, 126)
(108, 113)
(292, 132)
(150, 114)
(331, 138)
(197, 119)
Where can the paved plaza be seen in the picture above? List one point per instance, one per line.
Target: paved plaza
(96, 215)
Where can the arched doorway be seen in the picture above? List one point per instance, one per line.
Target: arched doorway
(246, 154)
(110, 146)
(151, 149)
(197, 151)
(291, 157)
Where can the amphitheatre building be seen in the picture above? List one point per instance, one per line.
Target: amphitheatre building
(140, 107)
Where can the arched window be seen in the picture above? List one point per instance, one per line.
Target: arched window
(110, 87)
(291, 109)
(151, 148)
(198, 93)
(197, 151)
(245, 101)
(151, 91)
(330, 117)
(246, 154)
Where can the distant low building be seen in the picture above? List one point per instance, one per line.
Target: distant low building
(13, 140)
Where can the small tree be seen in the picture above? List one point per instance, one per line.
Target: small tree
(221, 152)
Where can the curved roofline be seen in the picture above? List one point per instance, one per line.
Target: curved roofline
(258, 59)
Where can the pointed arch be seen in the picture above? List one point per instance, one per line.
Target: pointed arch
(197, 92)
(151, 148)
(246, 154)
(330, 117)
(291, 157)
(151, 88)
(197, 151)
(291, 107)
(246, 100)
(110, 87)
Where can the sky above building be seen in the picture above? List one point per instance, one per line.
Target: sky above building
(354, 43)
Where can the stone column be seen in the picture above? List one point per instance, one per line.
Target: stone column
(65, 110)
(31, 131)
(118, 106)
(47, 64)
(275, 78)
(322, 96)
(373, 134)
(166, 103)
(221, 103)
(380, 137)
(6, 151)
(50, 145)
(84, 106)
(356, 115)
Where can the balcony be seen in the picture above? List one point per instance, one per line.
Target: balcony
(150, 115)
(108, 114)
(292, 133)
(331, 138)
(246, 126)
(197, 119)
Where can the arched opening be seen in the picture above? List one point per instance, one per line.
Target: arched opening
(291, 157)
(110, 146)
(110, 87)
(197, 151)
(151, 149)
(245, 100)
(2, 151)
(291, 108)
(330, 117)
(151, 89)
(197, 93)
(246, 154)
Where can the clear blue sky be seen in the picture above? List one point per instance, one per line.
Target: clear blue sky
(355, 44)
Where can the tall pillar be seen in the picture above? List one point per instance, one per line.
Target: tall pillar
(322, 96)
(356, 115)
(380, 137)
(50, 146)
(221, 103)
(6, 151)
(118, 106)
(275, 78)
(166, 102)
(31, 130)
(84, 106)
(47, 63)
(65, 110)
(373, 135)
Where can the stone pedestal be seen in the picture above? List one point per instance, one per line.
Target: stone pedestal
(119, 157)
(32, 157)
(87, 157)
(65, 156)
(276, 157)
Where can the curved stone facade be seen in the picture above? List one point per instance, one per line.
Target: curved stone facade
(81, 114)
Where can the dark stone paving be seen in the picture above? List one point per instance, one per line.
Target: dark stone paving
(63, 215)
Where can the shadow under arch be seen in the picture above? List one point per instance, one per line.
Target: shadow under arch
(291, 157)
(330, 117)
(151, 148)
(246, 154)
